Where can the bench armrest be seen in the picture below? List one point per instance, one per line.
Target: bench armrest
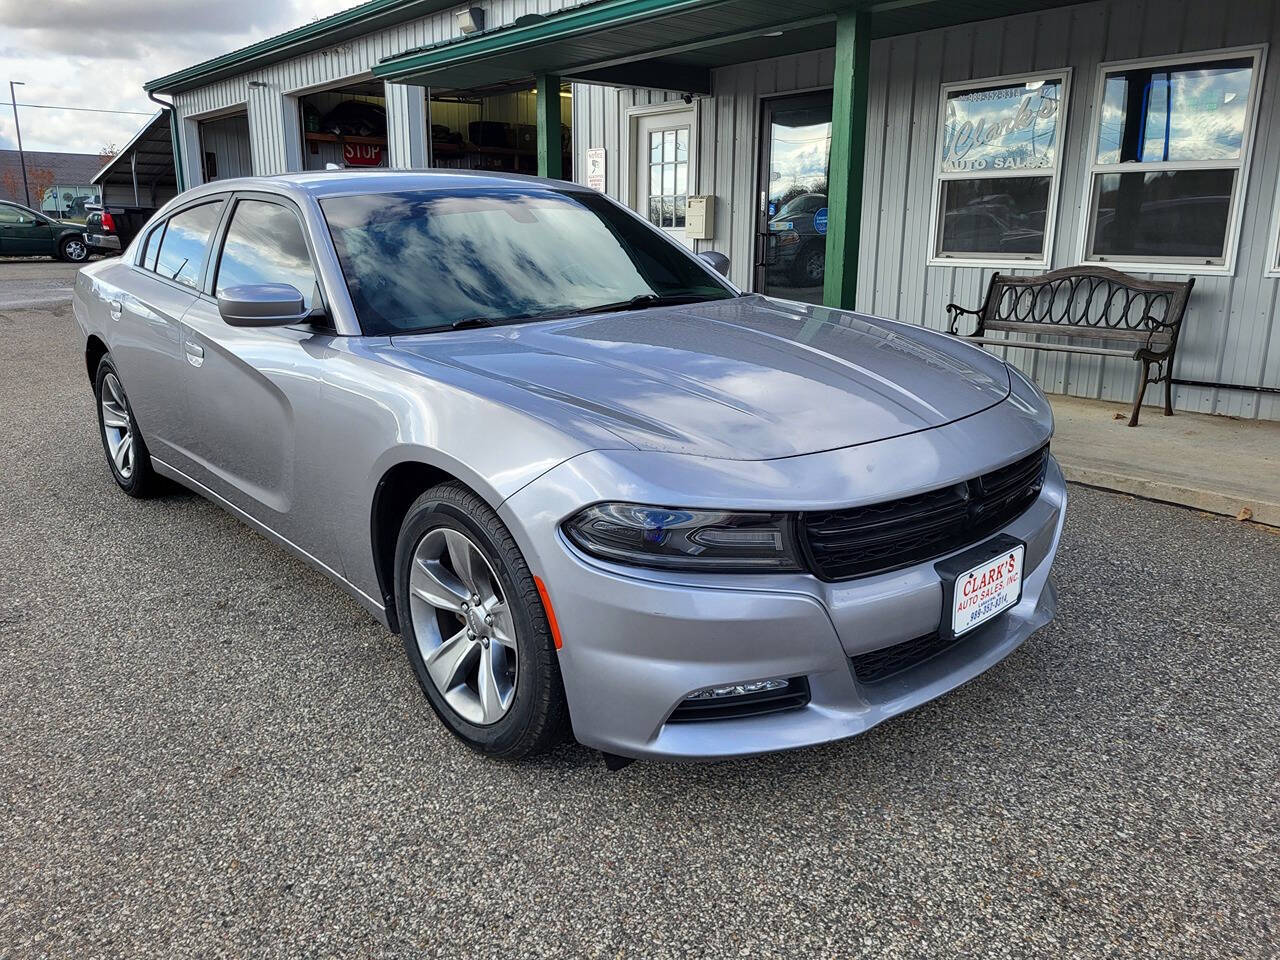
(956, 311)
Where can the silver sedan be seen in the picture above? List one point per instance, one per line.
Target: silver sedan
(592, 484)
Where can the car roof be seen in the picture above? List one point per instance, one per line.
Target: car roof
(330, 183)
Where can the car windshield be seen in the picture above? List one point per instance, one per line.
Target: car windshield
(427, 260)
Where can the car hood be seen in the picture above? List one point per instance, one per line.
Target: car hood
(747, 378)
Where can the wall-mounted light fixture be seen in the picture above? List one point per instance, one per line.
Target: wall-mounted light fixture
(258, 83)
(470, 20)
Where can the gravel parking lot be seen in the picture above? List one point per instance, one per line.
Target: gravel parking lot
(206, 750)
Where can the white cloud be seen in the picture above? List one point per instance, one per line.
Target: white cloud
(87, 53)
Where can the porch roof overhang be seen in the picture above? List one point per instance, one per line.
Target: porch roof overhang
(668, 44)
(149, 154)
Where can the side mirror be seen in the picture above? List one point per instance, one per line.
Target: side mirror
(262, 305)
(716, 261)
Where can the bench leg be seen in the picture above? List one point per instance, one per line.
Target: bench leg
(1139, 390)
(1168, 393)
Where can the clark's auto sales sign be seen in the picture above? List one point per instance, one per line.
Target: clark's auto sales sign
(362, 154)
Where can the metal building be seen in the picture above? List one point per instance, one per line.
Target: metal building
(887, 155)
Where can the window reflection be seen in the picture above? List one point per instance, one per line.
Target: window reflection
(1155, 114)
(421, 260)
(265, 245)
(1195, 111)
(185, 241)
(994, 215)
(1163, 214)
(668, 176)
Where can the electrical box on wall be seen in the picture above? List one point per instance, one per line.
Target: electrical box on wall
(700, 218)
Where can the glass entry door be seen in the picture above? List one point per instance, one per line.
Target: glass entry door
(791, 231)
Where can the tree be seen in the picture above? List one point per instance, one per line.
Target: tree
(11, 183)
(106, 154)
(40, 180)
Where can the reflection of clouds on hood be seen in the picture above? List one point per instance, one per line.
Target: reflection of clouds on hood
(1192, 113)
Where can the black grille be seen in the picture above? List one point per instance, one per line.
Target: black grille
(880, 665)
(794, 694)
(842, 544)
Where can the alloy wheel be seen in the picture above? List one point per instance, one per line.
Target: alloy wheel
(117, 426)
(815, 266)
(76, 250)
(463, 625)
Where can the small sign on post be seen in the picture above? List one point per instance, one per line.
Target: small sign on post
(595, 168)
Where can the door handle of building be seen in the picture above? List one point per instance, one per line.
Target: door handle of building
(195, 354)
(116, 309)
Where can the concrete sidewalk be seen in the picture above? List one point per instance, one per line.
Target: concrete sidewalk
(1217, 464)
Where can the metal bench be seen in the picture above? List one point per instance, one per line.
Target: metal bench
(1087, 303)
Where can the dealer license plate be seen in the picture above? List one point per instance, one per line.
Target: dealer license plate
(985, 590)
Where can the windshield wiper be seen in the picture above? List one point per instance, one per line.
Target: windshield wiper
(639, 302)
(643, 301)
(465, 323)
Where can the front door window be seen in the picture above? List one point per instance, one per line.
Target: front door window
(791, 242)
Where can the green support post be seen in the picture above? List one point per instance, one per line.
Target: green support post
(175, 138)
(550, 151)
(848, 146)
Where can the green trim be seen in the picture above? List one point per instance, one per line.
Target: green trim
(550, 146)
(179, 174)
(848, 148)
(606, 14)
(354, 21)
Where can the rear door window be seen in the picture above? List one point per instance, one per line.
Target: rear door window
(152, 247)
(185, 242)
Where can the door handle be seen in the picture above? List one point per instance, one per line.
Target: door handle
(195, 354)
(116, 308)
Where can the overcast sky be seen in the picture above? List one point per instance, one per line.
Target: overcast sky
(98, 53)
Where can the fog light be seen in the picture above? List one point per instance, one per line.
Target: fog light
(737, 689)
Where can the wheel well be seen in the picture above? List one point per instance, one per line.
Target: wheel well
(93, 353)
(392, 498)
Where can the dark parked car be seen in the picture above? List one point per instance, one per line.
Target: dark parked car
(798, 240)
(26, 233)
(110, 229)
(989, 230)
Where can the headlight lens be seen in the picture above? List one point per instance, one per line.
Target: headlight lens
(716, 540)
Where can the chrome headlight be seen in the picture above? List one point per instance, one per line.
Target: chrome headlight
(712, 540)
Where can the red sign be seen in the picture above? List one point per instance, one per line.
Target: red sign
(362, 154)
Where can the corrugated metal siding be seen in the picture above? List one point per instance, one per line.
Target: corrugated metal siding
(1230, 334)
(599, 120)
(269, 106)
(227, 138)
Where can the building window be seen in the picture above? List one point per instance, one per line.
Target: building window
(668, 184)
(998, 164)
(1171, 147)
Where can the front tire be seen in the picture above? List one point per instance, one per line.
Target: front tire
(810, 265)
(73, 250)
(127, 455)
(474, 627)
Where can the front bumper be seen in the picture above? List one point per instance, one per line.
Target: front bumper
(638, 642)
(103, 241)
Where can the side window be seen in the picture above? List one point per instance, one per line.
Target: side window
(10, 214)
(183, 247)
(265, 245)
(152, 247)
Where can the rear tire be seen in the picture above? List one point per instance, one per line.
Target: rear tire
(474, 627)
(127, 456)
